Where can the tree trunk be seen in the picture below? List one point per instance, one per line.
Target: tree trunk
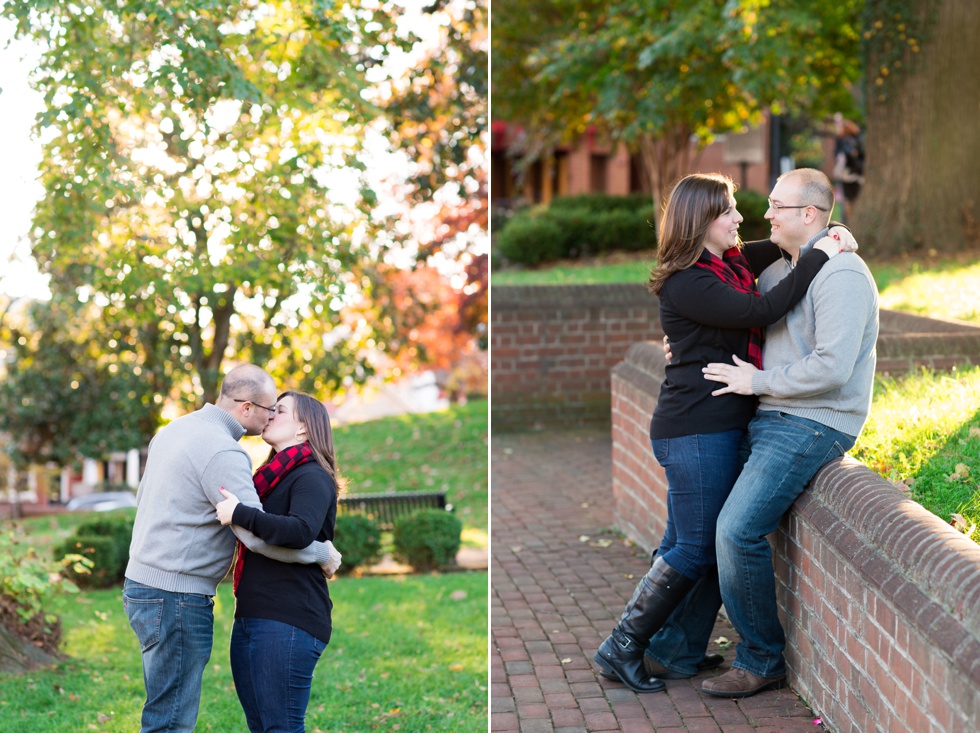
(922, 188)
(664, 160)
(20, 655)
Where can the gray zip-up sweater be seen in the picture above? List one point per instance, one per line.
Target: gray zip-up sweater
(819, 360)
(178, 544)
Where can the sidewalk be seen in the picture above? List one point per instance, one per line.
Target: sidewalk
(560, 578)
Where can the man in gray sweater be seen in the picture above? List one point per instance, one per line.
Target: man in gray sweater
(815, 396)
(180, 551)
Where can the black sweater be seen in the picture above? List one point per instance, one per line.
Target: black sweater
(707, 321)
(301, 508)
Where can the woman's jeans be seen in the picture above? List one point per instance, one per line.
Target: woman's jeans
(701, 470)
(175, 632)
(272, 664)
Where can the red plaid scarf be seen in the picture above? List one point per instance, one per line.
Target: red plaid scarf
(265, 480)
(735, 271)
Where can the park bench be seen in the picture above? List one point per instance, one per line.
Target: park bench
(385, 508)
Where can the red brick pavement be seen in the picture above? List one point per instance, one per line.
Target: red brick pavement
(560, 577)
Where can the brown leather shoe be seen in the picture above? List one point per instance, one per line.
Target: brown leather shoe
(740, 683)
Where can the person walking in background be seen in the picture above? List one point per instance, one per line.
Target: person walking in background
(814, 392)
(848, 162)
(282, 611)
(180, 551)
(709, 309)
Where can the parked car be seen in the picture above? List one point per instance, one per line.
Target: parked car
(102, 501)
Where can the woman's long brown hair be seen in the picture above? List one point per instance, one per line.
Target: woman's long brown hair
(315, 418)
(696, 201)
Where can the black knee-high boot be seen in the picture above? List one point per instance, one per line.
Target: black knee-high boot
(656, 596)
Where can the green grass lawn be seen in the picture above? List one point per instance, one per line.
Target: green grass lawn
(924, 433)
(408, 653)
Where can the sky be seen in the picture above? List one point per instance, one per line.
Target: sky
(19, 158)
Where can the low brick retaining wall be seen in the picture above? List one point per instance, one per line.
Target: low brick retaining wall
(880, 598)
(552, 348)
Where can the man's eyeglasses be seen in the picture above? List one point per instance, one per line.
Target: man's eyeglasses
(778, 207)
(270, 409)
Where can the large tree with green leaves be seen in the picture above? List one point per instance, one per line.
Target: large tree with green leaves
(204, 189)
(657, 74)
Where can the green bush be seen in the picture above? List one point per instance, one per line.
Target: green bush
(359, 540)
(531, 240)
(599, 203)
(428, 539)
(752, 205)
(105, 541)
(539, 235)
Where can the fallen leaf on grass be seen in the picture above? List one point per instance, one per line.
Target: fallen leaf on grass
(961, 471)
(455, 667)
(103, 718)
(975, 432)
(458, 595)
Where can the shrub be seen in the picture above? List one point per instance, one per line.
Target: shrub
(359, 539)
(27, 585)
(752, 206)
(600, 203)
(427, 539)
(531, 240)
(105, 542)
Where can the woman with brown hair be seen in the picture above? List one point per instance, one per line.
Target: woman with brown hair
(710, 309)
(282, 612)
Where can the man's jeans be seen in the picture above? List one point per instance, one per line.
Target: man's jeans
(701, 470)
(786, 452)
(175, 632)
(272, 664)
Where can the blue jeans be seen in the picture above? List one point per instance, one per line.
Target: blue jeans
(272, 664)
(175, 632)
(701, 470)
(786, 453)
(683, 640)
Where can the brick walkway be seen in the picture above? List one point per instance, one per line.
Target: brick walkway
(560, 578)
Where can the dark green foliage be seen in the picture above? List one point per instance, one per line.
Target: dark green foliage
(359, 539)
(600, 203)
(531, 241)
(105, 541)
(577, 226)
(752, 206)
(427, 540)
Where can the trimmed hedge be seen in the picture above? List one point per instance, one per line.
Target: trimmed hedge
(578, 226)
(428, 539)
(359, 539)
(752, 205)
(105, 541)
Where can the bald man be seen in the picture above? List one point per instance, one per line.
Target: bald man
(180, 552)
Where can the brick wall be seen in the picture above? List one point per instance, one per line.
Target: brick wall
(880, 599)
(552, 349)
